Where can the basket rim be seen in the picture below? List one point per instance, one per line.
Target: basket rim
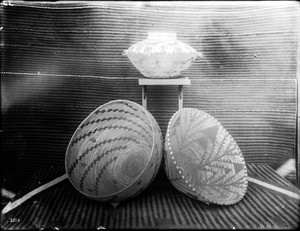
(148, 115)
(203, 197)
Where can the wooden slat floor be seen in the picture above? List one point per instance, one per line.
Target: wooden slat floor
(159, 206)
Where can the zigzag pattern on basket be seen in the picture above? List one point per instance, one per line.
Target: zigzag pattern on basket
(115, 152)
(108, 127)
(203, 160)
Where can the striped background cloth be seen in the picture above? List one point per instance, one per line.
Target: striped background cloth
(159, 206)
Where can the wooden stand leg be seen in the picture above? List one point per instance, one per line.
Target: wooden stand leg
(180, 97)
(144, 96)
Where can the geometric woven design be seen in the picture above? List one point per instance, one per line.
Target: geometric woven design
(115, 152)
(161, 55)
(202, 160)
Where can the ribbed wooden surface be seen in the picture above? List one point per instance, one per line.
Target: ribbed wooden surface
(158, 207)
(60, 61)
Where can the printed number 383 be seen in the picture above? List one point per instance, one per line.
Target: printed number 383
(14, 220)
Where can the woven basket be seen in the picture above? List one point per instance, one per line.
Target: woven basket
(115, 153)
(202, 160)
(161, 55)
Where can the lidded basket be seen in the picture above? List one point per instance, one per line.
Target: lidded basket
(115, 153)
(202, 160)
(161, 55)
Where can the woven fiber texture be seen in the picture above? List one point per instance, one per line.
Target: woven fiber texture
(202, 160)
(161, 55)
(115, 153)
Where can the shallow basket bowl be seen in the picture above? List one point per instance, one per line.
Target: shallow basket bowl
(202, 160)
(115, 153)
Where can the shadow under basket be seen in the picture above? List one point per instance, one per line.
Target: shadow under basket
(115, 153)
(202, 160)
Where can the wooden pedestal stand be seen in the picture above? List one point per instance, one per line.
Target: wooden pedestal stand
(180, 82)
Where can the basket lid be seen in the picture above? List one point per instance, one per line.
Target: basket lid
(204, 159)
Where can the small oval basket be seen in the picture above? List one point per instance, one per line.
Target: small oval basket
(161, 55)
(115, 153)
(202, 160)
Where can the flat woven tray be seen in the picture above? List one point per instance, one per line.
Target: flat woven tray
(115, 152)
(202, 160)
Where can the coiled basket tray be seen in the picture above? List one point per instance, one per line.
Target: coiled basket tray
(202, 160)
(115, 153)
